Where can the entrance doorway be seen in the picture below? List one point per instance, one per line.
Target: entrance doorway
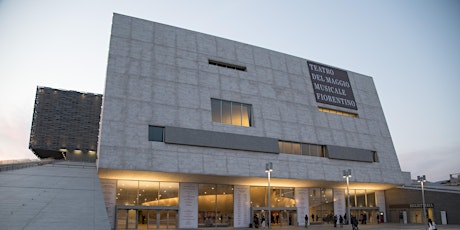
(146, 218)
(279, 218)
(367, 215)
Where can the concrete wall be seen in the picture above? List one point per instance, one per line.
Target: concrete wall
(159, 75)
(441, 200)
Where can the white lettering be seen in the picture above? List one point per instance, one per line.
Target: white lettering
(317, 77)
(338, 82)
(321, 69)
(336, 100)
(329, 89)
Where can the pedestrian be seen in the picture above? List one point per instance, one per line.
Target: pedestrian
(256, 221)
(341, 221)
(431, 225)
(263, 222)
(306, 220)
(354, 222)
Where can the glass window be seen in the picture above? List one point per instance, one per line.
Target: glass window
(236, 114)
(246, 115)
(321, 205)
(233, 113)
(296, 148)
(127, 192)
(316, 150)
(361, 198)
(281, 146)
(156, 133)
(300, 149)
(215, 205)
(279, 196)
(215, 109)
(226, 112)
(370, 198)
(168, 194)
(148, 193)
(258, 196)
(283, 197)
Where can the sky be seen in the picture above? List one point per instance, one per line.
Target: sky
(410, 48)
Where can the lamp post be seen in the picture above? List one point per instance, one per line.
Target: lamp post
(268, 170)
(347, 175)
(422, 179)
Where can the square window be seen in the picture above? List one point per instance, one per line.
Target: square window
(156, 133)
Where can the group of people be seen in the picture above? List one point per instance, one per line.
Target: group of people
(262, 222)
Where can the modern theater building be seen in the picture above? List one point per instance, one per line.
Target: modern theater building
(190, 121)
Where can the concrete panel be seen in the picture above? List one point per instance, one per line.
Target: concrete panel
(194, 137)
(347, 153)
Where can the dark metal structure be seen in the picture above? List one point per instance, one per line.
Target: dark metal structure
(65, 124)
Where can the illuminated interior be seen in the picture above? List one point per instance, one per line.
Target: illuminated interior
(333, 111)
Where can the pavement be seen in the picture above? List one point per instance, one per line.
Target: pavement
(385, 226)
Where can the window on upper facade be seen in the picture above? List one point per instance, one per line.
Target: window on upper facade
(156, 133)
(233, 113)
(337, 112)
(227, 65)
(301, 149)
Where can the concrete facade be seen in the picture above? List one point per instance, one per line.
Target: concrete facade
(161, 75)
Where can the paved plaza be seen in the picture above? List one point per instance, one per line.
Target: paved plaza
(386, 226)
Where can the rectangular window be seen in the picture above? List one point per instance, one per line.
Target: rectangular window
(227, 65)
(216, 110)
(301, 149)
(333, 111)
(156, 133)
(233, 113)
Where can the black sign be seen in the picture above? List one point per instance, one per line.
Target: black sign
(331, 86)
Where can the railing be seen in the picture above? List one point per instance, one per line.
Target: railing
(12, 165)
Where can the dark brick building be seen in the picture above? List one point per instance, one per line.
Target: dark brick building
(65, 124)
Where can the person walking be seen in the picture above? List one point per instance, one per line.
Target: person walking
(431, 225)
(306, 220)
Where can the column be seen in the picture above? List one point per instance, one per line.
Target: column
(188, 205)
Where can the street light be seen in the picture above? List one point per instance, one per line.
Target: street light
(268, 170)
(347, 174)
(422, 179)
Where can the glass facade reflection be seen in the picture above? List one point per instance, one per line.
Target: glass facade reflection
(321, 205)
(147, 193)
(279, 197)
(215, 205)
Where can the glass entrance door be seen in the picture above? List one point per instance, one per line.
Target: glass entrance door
(126, 219)
(130, 219)
(168, 219)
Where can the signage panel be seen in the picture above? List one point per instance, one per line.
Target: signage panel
(331, 86)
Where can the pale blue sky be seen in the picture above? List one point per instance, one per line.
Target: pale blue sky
(410, 48)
